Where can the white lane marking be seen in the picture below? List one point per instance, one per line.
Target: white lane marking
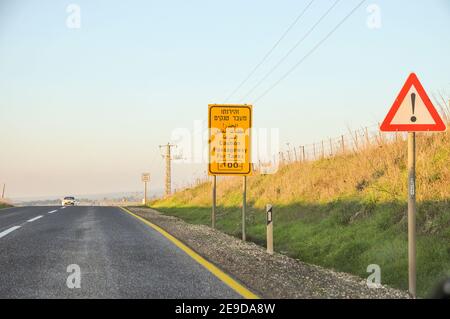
(63, 207)
(53, 211)
(9, 230)
(35, 218)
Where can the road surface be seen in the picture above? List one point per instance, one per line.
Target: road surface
(118, 256)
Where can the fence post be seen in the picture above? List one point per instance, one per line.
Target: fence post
(331, 148)
(356, 140)
(367, 137)
(323, 150)
(379, 133)
(303, 152)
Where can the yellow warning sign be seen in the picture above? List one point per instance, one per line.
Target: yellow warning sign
(229, 139)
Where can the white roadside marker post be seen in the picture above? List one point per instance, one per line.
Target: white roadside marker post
(269, 219)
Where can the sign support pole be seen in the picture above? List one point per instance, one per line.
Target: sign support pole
(412, 112)
(412, 212)
(244, 206)
(145, 193)
(213, 211)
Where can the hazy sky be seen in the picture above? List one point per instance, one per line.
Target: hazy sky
(83, 110)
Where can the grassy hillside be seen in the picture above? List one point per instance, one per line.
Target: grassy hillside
(344, 212)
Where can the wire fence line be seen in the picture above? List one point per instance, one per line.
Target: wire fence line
(352, 142)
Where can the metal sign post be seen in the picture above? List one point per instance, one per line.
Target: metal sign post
(145, 193)
(213, 212)
(145, 179)
(244, 206)
(412, 212)
(269, 219)
(412, 112)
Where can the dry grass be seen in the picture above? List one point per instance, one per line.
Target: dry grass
(378, 173)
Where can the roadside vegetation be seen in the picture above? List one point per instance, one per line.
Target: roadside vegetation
(4, 205)
(345, 212)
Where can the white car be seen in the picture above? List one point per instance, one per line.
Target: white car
(68, 201)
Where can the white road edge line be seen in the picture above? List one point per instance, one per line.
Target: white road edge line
(35, 218)
(9, 230)
(53, 211)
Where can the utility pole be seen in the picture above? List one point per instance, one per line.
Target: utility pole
(168, 158)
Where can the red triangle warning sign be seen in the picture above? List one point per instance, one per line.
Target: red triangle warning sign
(412, 110)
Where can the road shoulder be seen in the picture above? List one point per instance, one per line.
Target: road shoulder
(271, 276)
(222, 276)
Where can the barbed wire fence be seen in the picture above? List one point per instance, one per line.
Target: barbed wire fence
(353, 141)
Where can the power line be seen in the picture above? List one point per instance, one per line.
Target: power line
(310, 52)
(291, 50)
(270, 51)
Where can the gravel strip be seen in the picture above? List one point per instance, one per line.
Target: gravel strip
(270, 276)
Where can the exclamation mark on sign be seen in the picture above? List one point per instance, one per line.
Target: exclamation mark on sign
(413, 103)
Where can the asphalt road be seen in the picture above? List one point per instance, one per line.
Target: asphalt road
(118, 257)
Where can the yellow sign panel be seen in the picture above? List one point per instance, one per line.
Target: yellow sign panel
(229, 139)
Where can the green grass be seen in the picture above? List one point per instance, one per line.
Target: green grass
(2, 205)
(344, 213)
(324, 237)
